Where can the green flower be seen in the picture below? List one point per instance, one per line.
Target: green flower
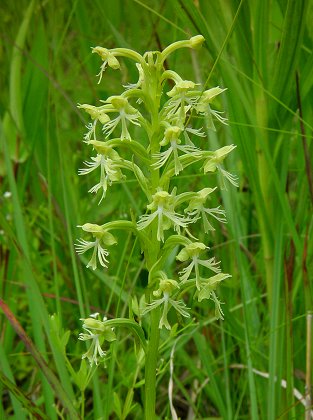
(203, 106)
(108, 58)
(208, 287)
(182, 99)
(97, 333)
(214, 162)
(102, 238)
(197, 209)
(192, 252)
(126, 114)
(97, 114)
(108, 160)
(171, 136)
(163, 209)
(166, 288)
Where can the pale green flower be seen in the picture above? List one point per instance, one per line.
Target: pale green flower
(166, 288)
(214, 162)
(171, 136)
(207, 97)
(203, 106)
(97, 114)
(208, 287)
(102, 238)
(108, 58)
(97, 333)
(192, 252)
(108, 161)
(163, 209)
(183, 97)
(126, 114)
(196, 209)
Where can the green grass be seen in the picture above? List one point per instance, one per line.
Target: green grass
(231, 369)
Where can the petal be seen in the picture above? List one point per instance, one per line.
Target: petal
(145, 220)
(180, 307)
(163, 321)
(102, 253)
(82, 246)
(186, 272)
(217, 213)
(93, 260)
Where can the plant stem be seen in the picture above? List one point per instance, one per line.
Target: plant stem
(151, 364)
(154, 94)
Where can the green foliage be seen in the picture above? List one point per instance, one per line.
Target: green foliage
(230, 369)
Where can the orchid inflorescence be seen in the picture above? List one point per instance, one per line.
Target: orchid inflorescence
(153, 121)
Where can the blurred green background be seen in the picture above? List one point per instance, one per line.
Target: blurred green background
(261, 51)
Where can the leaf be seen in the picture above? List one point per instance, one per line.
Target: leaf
(117, 406)
(50, 376)
(23, 399)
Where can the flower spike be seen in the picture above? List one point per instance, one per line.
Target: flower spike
(153, 129)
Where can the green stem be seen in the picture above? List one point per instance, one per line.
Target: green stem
(153, 95)
(151, 365)
(82, 408)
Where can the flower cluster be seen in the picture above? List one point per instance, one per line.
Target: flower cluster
(158, 134)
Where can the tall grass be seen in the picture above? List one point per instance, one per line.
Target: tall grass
(257, 362)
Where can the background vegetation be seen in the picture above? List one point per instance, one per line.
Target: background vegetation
(233, 369)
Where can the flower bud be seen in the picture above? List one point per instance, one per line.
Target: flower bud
(196, 41)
